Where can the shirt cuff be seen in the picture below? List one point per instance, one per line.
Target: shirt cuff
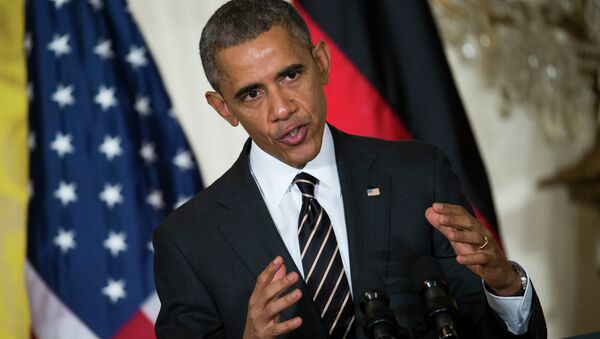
(514, 311)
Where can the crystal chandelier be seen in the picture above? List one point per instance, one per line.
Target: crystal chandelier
(543, 55)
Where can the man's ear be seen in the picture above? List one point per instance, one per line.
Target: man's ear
(320, 53)
(218, 104)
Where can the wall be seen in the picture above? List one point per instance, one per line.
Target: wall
(555, 239)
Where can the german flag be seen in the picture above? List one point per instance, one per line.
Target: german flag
(390, 79)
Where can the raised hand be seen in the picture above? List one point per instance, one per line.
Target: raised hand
(474, 247)
(266, 303)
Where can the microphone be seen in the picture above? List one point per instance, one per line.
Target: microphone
(380, 322)
(441, 309)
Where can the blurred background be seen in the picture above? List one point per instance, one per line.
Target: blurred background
(528, 75)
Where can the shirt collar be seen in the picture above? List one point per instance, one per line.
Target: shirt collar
(274, 177)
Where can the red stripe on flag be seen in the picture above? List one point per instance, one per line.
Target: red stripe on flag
(354, 105)
(138, 326)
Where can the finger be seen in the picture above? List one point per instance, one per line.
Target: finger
(286, 326)
(460, 221)
(276, 306)
(263, 280)
(267, 275)
(478, 258)
(465, 237)
(275, 288)
(438, 220)
(444, 208)
(432, 217)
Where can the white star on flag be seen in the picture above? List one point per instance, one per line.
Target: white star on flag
(60, 45)
(111, 147)
(62, 144)
(183, 160)
(142, 105)
(181, 200)
(136, 57)
(115, 243)
(111, 195)
(114, 290)
(155, 199)
(65, 193)
(65, 240)
(28, 43)
(31, 142)
(106, 97)
(63, 95)
(96, 4)
(58, 3)
(147, 152)
(104, 49)
(30, 92)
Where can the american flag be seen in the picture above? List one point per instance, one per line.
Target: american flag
(108, 161)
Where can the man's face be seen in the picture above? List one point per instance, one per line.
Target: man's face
(273, 86)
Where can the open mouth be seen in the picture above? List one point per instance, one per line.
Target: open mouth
(295, 137)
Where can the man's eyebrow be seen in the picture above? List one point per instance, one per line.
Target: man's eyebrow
(289, 70)
(245, 90)
(283, 73)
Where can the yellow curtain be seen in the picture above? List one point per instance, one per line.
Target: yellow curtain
(14, 312)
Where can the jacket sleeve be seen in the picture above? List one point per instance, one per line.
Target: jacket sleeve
(187, 309)
(478, 319)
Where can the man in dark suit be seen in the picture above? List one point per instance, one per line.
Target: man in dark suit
(309, 218)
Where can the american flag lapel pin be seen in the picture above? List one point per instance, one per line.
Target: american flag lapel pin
(373, 191)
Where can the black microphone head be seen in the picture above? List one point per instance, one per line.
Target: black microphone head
(379, 320)
(441, 310)
(373, 295)
(426, 269)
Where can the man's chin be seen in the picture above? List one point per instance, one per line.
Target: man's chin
(300, 160)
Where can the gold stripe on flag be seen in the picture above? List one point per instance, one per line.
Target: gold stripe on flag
(14, 312)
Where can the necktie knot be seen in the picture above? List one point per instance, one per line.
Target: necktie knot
(306, 183)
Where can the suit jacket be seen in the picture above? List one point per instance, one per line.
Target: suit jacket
(211, 250)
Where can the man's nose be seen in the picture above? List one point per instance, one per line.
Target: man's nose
(283, 104)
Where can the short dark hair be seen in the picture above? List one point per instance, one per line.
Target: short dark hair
(239, 21)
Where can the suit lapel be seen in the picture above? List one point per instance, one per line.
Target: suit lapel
(367, 217)
(250, 229)
(252, 233)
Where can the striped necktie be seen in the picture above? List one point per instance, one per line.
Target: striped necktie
(323, 268)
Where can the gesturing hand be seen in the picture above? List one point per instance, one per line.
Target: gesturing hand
(266, 303)
(474, 247)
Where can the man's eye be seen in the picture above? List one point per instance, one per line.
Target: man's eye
(292, 75)
(251, 95)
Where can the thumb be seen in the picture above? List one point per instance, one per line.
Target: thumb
(279, 274)
(432, 217)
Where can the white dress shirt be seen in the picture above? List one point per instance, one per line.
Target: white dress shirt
(283, 199)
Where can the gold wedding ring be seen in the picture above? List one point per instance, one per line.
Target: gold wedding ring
(485, 242)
